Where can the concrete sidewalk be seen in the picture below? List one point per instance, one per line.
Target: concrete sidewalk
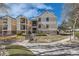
(47, 48)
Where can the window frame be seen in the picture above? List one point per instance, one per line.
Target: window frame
(47, 25)
(39, 19)
(39, 26)
(47, 19)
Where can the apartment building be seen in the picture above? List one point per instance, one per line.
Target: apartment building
(7, 25)
(34, 26)
(23, 24)
(46, 22)
(0, 26)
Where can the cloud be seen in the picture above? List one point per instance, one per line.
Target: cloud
(17, 9)
(42, 6)
(32, 13)
(28, 10)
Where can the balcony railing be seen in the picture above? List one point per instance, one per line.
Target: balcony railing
(34, 24)
(5, 27)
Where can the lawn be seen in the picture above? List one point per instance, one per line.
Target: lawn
(49, 38)
(14, 37)
(17, 50)
(77, 34)
(74, 41)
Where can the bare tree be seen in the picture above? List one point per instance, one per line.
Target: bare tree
(75, 14)
(71, 15)
(67, 8)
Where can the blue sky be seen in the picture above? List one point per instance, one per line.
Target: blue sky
(57, 10)
(32, 10)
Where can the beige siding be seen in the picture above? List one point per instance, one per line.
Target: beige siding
(51, 23)
(20, 24)
(13, 25)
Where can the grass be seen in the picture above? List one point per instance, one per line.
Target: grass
(14, 37)
(76, 41)
(72, 42)
(41, 34)
(49, 38)
(20, 37)
(7, 37)
(77, 34)
(17, 50)
(41, 39)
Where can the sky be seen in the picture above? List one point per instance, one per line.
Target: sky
(31, 10)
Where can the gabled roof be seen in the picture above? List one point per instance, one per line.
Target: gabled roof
(7, 16)
(21, 16)
(46, 11)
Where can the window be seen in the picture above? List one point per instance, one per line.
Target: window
(5, 33)
(34, 30)
(5, 27)
(22, 20)
(5, 20)
(22, 27)
(47, 26)
(34, 23)
(47, 19)
(39, 19)
(39, 26)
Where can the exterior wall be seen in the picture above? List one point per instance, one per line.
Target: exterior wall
(51, 23)
(11, 24)
(34, 26)
(0, 27)
(8, 23)
(29, 25)
(14, 25)
(19, 24)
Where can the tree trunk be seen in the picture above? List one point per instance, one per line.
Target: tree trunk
(74, 28)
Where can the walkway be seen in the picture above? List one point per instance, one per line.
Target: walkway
(52, 48)
(25, 42)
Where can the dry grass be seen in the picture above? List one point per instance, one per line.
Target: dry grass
(14, 37)
(17, 50)
(49, 38)
(72, 42)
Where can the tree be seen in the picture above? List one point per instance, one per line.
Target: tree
(71, 15)
(75, 16)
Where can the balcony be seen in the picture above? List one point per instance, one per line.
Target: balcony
(34, 23)
(23, 20)
(5, 20)
(23, 27)
(5, 27)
